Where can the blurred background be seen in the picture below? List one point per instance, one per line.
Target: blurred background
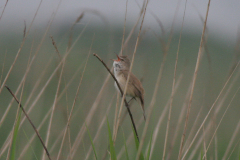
(101, 30)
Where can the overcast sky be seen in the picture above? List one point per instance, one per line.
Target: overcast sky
(223, 17)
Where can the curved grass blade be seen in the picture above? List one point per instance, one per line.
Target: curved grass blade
(35, 156)
(94, 150)
(125, 145)
(112, 148)
(137, 145)
(14, 141)
(149, 147)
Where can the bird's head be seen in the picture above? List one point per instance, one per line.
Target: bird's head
(122, 63)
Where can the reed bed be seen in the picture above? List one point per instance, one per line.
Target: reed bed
(60, 79)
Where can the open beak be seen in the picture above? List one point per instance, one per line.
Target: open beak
(117, 59)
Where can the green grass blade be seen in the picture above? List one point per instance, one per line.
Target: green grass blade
(149, 147)
(35, 156)
(112, 149)
(15, 133)
(94, 150)
(137, 144)
(202, 154)
(125, 145)
(239, 156)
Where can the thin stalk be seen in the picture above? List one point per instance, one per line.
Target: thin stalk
(173, 86)
(235, 134)
(124, 27)
(53, 109)
(210, 111)
(19, 50)
(100, 127)
(194, 82)
(74, 102)
(221, 121)
(45, 148)
(4, 9)
(3, 69)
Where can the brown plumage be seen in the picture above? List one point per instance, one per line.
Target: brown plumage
(135, 88)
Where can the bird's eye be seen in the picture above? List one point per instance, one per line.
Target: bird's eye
(122, 59)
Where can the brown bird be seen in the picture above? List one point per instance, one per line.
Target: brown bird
(135, 88)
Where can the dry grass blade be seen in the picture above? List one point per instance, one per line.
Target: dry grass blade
(4, 9)
(172, 27)
(221, 121)
(162, 116)
(55, 46)
(204, 143)
(53, 109)
(237, 52)
(69, 118)
(165, 49)
(115, 115)
(195, 123)
(19, 50)
(210, 110)
(25, 28)
(121, 52)
(173, 86)
(199, 143)
(44, 120)
(235, 134)
(205, 40)
(100, 127)
(52, 75)
(234, 148)
(179, 122)
(2, 71)
(64, 79)
(156, 89)
(33, 58)
(202, 137)
(7, 142)
(218, 107)
(48, 81)
(34, 135)
(59, 138)
(17, 115)
(89, 117)
(71, 29)
(193, 82)
(45, 148)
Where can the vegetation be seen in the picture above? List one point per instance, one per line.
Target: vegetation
(191, 83)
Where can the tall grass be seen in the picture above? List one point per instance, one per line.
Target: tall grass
(70, 99)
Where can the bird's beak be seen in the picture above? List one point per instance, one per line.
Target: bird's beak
(117, 59)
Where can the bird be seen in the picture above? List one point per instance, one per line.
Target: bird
(135, 89)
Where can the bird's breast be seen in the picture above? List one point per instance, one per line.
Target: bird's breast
(122, 82)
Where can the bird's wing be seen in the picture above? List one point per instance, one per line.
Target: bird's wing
(138, 91)
(134, 81)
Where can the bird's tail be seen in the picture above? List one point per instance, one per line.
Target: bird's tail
(144, 115)
(142, 104)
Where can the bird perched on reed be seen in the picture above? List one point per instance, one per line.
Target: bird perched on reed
(134, 88)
